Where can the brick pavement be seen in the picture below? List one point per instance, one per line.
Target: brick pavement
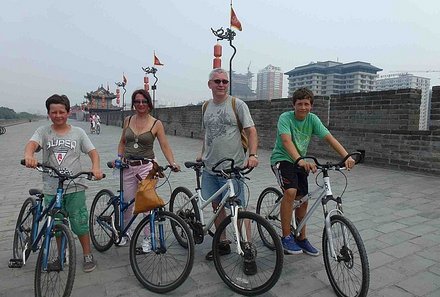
(397, 213)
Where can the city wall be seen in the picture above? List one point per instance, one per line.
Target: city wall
(383, 125)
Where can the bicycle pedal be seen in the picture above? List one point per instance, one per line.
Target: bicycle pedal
(15, 263)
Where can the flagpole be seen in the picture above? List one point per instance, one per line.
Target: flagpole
(153, 71)
(122, 84)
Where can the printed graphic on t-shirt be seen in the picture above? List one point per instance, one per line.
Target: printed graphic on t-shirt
(216, 125)
(60, 148)
(301, 139)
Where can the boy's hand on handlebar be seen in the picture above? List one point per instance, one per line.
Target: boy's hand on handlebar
(97, 173)
(30, 162)
(349, 163)
(307, 166)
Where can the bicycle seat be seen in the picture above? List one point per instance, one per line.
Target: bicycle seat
(35, 192)
(195, 165)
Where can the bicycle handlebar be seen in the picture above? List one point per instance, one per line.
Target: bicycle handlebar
(125, 164)
(328, 165)
(232, 169)
(46, 168)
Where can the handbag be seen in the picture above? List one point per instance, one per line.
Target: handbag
(146, 198)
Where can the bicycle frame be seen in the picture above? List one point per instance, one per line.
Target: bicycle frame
(230, 192)
(323, 195)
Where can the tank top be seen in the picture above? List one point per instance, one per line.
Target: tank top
(144, 147)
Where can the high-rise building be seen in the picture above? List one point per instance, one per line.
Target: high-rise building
(405, 81)
(269, 83)
(329, 77)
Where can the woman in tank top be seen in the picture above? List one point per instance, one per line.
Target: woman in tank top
(137, 140)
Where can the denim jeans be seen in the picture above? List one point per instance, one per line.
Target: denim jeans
(211, 183)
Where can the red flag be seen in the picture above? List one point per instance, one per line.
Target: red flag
(124, 79)
(234, 21)
(156, 61)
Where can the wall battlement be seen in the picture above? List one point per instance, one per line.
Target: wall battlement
(384, 124)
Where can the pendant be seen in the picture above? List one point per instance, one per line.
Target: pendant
(135, 145)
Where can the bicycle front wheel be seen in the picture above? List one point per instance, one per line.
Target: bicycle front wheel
(258, 269)
(104, 212)
(269, 208)
(349, 273)
(22, 243)
(157, 258)
(55, 269)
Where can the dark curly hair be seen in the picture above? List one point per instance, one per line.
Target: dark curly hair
(302, 93)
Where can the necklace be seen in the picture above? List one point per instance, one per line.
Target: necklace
(136, 136)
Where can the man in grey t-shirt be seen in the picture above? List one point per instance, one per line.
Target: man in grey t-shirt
(223, 140)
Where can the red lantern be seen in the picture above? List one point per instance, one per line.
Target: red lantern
(117, 91)
(146, 87)
(217, 50)
(117, 100)
(103, 101)
(217, 63)
(145, 79)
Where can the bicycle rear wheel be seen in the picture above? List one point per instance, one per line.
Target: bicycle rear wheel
(190, 214)
(267, 209)
(349, 273)
(164, 264)
(233, 267)
(103, 213)
(23, 230)
(55, 269)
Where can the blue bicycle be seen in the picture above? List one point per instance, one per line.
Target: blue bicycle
(161, 264)
(56, 263)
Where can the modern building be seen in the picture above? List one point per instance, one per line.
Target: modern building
(404, 81)
(269, 83)
(329, 77)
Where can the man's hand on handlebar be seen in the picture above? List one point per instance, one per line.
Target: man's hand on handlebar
(308, 166)
(349, 163)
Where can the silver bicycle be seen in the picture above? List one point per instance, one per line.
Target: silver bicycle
(345, 257)
(241, 230)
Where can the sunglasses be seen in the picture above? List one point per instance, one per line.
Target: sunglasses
(145, 102)
(223, 81)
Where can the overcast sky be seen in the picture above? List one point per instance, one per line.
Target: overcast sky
(73, 47)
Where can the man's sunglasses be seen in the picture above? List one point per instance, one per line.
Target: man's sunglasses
(223, 81)
(145, 102)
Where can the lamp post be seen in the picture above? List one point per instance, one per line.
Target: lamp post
(153, 71)
(229, 35)
(122, 84)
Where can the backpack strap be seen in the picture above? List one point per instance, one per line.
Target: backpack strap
(240, 126)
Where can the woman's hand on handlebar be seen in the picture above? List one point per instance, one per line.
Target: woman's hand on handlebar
(175, 167)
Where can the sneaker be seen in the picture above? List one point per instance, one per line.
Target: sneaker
(54, 265)
(307, 247)
(249, 264)
(89, 263)
(125, 239)
(146, 245)
(223, 249)
(290, 246)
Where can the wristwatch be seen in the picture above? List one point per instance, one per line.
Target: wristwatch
(253, 155)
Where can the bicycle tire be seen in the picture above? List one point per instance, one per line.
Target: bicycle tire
(269, 261)
(190, 214)
(355, 276)
(266, 201)
(57, 282)
(98, 130)
(159, 270)
(23, 234)
(104, 212)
